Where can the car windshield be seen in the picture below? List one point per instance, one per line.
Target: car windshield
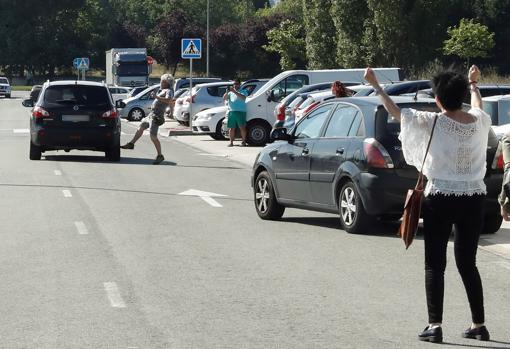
(4, 81)
(76, 94)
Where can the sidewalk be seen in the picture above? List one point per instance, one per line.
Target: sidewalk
(244, 155)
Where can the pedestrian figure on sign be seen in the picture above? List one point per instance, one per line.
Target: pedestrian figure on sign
(156, 117)
(455, 190)
(236, 112)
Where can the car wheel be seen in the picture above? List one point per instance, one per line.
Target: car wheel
(35, 152)
(265, 199)
(492, 223)
(8, 96)
(113, 154)
(258, 133)
(136, 114)
(353, 216)
(218, 135)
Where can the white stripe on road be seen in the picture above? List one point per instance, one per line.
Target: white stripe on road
(82, 229)
(217, 155)
(67, 193)
(58, 173)
(21, 130)
(112, 291)
(211, 201)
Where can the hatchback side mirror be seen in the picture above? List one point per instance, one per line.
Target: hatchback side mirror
(28, 103)
(270, 96)
(120, 104)
(280, 134)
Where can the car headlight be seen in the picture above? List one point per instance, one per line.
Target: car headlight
(206, 117)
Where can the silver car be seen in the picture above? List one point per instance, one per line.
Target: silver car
(138, 107)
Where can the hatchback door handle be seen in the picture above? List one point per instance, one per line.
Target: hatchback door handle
(340, 151)
(305, 151)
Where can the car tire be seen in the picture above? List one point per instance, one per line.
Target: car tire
(258, 133)
(218, 135)
(35, 152)
(113, 154)
(492, 223)
(136, 114)
(264, 198)
(8, 96)
(353, 217)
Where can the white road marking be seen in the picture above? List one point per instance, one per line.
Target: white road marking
(21, 130)
(204, 195)
(218, 155)
(82, 229)
(67, 193)
(112, 291)
(58, 173)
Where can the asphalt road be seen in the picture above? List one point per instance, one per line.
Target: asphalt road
(108, 255)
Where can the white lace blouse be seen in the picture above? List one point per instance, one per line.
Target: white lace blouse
(456, 162)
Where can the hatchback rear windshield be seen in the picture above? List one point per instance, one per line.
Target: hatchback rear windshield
(4, 81)
(76, 94)
(389, 127)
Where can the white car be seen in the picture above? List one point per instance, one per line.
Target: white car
(209, 121)
(311, 102)
(119, 92)
(178, 107)
(203, 96)
(5, 87)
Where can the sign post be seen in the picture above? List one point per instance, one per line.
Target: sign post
(191, 49)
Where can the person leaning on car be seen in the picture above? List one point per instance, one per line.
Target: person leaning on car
(504, 201)
(236, 115)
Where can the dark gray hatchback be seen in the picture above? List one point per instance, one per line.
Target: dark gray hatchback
(74, 115)
(345, 157)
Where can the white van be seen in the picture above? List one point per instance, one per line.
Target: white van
(260, 106)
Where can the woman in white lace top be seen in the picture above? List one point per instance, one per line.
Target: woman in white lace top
(455, 191)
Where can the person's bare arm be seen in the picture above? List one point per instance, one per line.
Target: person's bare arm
(474, 76)
(388, 103)
(239, 94)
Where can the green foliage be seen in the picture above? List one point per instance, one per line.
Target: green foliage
(320, 34)
(288, 41)
(469, 40)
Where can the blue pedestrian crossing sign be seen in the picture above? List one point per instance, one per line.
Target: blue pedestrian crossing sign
(81, 63)
(191, 48)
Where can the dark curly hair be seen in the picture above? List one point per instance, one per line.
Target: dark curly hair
(450, 88)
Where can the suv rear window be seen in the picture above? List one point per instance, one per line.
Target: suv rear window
(4, 81)
(76, 94)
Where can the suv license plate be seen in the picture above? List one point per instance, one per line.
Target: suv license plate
(75, 118)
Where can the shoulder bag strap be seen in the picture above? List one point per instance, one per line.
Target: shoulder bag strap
(419, 183)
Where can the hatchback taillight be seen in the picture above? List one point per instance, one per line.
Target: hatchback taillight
(39, 112)
(280, 116)
(310, 107)
(110, 114)
(376, 154)
(498, 163)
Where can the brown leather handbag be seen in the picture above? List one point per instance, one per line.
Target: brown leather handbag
(412, 205)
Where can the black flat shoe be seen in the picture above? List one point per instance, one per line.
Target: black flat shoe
(433, 335)
(480, 333)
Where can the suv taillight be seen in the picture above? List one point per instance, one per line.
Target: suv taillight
(39, 112)
(281, 113)
(376, 155)
(110, 114)
(190, 100)
(310, 107)
(498, 163)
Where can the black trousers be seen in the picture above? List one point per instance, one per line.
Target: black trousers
(440, 212)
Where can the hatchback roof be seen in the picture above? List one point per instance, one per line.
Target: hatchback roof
(376, 101)
(74, 82)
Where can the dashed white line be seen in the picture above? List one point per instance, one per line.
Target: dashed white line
(21, 130)
(67, 193)
(58, 173)
(112, 291)
(81, 227)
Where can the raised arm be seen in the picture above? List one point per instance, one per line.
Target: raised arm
(388, 103)
(474, 76)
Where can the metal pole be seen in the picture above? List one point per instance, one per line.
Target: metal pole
(190, 120)
(207, 38)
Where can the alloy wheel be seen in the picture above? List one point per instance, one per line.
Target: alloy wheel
(262, 195)
(348, 208)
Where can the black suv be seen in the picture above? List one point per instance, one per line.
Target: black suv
(345, 157)
(74, 115)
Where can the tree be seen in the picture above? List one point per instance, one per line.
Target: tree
(320, 34)
(469, 40)
(288, 41)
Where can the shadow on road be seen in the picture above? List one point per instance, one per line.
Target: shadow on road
(487, 345)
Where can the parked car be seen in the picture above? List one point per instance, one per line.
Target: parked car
(397, 89)
(5, 87)
(74, 115)
(310, 102)
(184, 82)
(179, 106)
(135, 91)
(136, 108)
(170, 109)
(345, 157)
(485, 91)
(119, 92)
(203, 96)
(209, 121)
(34, 92)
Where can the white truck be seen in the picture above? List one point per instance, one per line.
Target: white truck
(128, 67)
(260, 106)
